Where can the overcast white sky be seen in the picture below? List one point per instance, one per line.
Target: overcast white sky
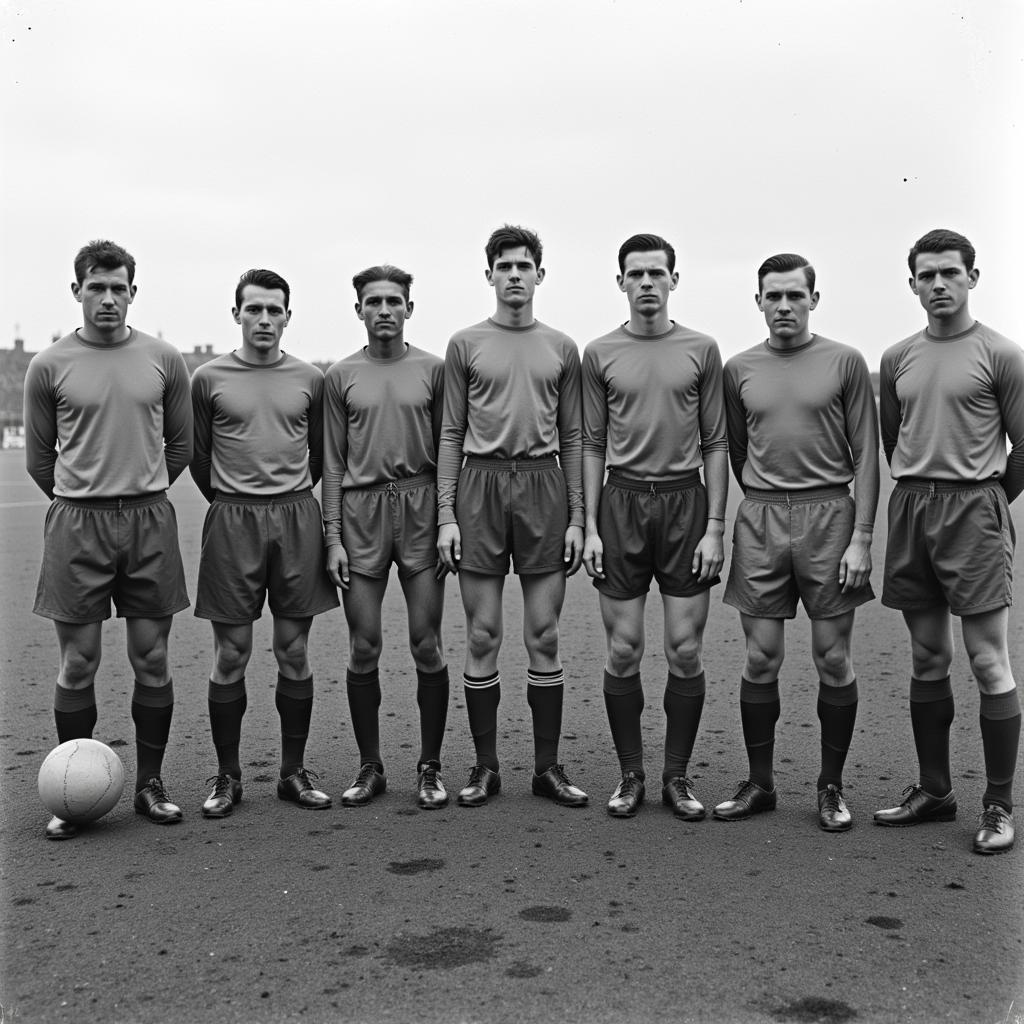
(319, 137)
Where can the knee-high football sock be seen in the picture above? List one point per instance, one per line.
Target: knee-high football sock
(363, 690)
(432, 690)
(227, 703)
(759, 711)
(624, 704)
(837, 712)
(483, 695)
(152, 708)
(684, 703)
(544, 694)
(931, 715)
(294, 700)
(74, 712)
(1000, 737)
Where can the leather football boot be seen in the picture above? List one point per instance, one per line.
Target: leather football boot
(833, 814)
(555, 785)
(995, 834)
(430, 792)
(625, 801)
(58, 828)
(677, 793)
(750, 799)
(227, 791)
(370, 782)
(153, 802)
(918, 807)
(298, 789)
(483, 783)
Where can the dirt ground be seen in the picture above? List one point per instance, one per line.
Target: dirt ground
(519, 911)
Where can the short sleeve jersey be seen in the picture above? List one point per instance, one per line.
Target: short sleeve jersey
(652, 407)
(802, 418)
(107, 421)
(382, 418)
(948, 406)
(258, 428)
(510, 393)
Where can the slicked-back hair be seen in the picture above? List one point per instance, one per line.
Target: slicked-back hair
(511, 236)
(646, 243)
(782, 264)
(382, 272)
(942, 240)
(106, 255)
(262, 279)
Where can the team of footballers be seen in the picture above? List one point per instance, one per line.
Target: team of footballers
(513, 449)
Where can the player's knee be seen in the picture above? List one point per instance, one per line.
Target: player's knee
(231, 658)
(291, 653)
(762, 663)
(483, 639)
(425, 648)
(624, 654)
(684, 656)
(930, 660)
(542, 642)
(989, 666)
(78, 668)
(833, 663)
(150, 659)
(364, 650)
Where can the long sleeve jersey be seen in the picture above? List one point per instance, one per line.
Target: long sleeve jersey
(107, 421)
(652, 407)
(510, 393)
(382, 422)
(259, 428)
(948, 406)
(804, 417)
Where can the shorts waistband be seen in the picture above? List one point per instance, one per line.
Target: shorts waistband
(772, 497)
(287, 498)
(922, 485)
(632, 483)
(115, 504)
(511, 465)
(406, 483)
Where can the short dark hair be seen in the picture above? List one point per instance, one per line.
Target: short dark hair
(106, 255)
(646, 243)
(942, 240)
(382, 272)
(783, 262)
(262, 279)
(511, 236)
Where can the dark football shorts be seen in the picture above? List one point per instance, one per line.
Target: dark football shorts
(950, 544)
(258, 548)
(393, 522)
(512, 508)
(787, 545)
(98, 550)
(650, 530)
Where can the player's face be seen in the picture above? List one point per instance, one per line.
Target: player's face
(514, 277)
(647, 281)
(786, 302)
(941, 283)
(105, 296)
(262, 316)
(384, 309)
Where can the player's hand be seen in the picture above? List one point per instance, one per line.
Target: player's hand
(572, 553)
(337, 565)
(855, 565)
(593, 556)
(449, 546)
(440, 570)
(709, 556)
